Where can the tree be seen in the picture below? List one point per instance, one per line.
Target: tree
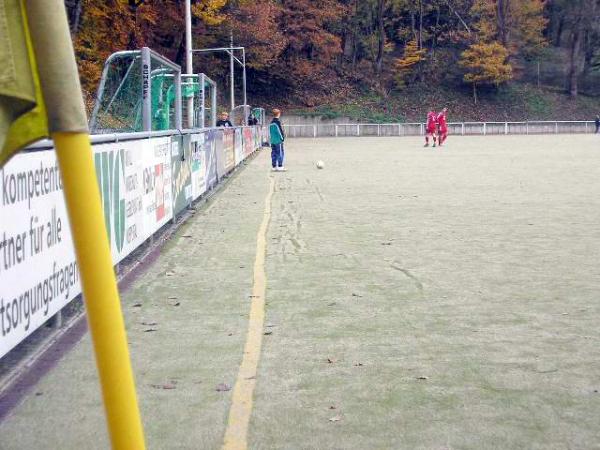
(485, 63)
(518, 25)
(581, 19)
(405, 65)
(255, 25)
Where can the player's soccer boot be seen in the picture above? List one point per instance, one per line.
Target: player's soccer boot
(434, 145)
(282, 169)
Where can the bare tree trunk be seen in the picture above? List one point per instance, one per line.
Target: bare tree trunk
(133, 41)
(381, 35)
(420, 24)
(573, 76)
(475, 93)
(434, 38)
(74, 10)
(502, 13)
(559, 32)
(355, 37)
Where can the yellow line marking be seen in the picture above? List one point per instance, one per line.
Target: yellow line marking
(236, 433)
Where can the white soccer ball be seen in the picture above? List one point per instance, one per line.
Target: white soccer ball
(320, 164)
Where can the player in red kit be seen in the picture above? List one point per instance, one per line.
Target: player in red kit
(442, 123)
(430, 127)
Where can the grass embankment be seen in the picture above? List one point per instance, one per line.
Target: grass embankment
(517, 102)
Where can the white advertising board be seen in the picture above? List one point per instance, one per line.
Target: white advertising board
(239, 146)
(135, 183)
(199, 143)
(38, 269)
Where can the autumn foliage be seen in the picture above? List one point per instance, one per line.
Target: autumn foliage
(406, 65)
(311, 51)
(486, 63)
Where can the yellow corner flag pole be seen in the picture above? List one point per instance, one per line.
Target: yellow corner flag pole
(99, 289)
(67, 124)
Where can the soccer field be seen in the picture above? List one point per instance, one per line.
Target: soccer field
(416, 298)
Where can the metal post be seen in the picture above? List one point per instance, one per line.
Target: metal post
(189, 66)
(399, 130)
(336, 130)
(244, 83)
(556, 127)
(178, 105)
(462, 132)
(213, 106)
(358, 129)
(231, 74)
(526, 127)
(146, 90)
(202, 99)
(505, 127)
(378, 130)
(484, 128)
(314, 131)
(188, 37)
(57, 320)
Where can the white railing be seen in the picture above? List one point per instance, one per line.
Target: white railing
(458, 128)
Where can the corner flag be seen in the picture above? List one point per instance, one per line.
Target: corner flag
(22, 112)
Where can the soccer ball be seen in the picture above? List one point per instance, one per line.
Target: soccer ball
(320, 164)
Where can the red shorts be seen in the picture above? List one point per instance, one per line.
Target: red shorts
(431, 130)
(443, 130)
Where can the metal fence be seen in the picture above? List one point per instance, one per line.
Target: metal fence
(418, 129)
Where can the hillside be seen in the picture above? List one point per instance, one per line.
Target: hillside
(373, 60)
(516, 102)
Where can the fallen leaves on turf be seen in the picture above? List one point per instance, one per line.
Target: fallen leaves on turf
(164, 386)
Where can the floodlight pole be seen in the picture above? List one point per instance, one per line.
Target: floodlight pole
(242, 62)
(202, 99)
(189, 66)
(231, 73)
(244, 82)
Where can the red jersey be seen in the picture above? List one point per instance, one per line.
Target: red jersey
(431, 121)
(442, 123)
